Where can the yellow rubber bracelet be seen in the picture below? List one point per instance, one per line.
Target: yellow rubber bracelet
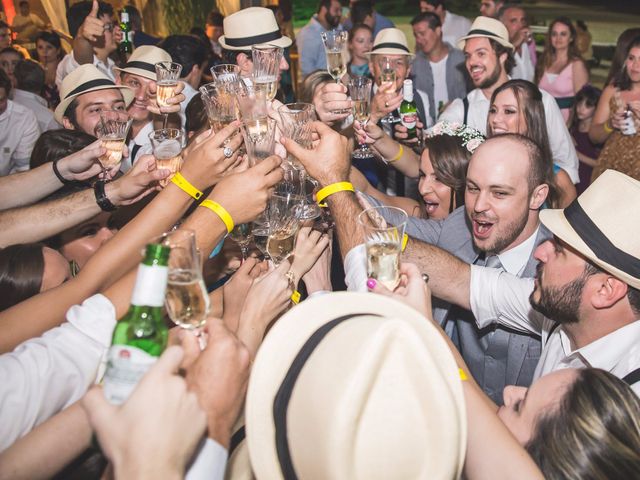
(405, 240)
(184, 185)
(607, 127)
(295, 297)
(219, 210)
(463, 375)
(323, 193)
(398, 155)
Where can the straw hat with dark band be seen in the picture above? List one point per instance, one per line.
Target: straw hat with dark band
(485, 27)
(603, 225)
(252, 26)
(85, 79)
(390, 41)
(143, 61)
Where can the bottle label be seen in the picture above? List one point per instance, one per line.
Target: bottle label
(126, 365)
(409, 120)
(130, 37)
(151, 285)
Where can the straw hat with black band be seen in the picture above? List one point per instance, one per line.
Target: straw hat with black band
(143, 61)
(85, 79)
(252, 26)
(602, 224)
(390, 41)
(486, 27)
(358, 386)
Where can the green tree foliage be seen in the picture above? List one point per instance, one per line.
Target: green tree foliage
(182, 15)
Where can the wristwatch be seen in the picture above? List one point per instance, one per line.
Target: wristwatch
(101, 197)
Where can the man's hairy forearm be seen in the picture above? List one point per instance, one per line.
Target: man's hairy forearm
(345, 209)
(24, 188)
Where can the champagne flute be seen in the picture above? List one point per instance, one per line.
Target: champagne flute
(337, 52)
(383, 243)
(242, 235)
(167, 148)
(187, 301)
(283, 216)
(360, 90)
(260, 230)
(219, 102)
(387, 75)
(259, 138)
(112, 130)
(266, 68)
(226, 72)
(167, 76)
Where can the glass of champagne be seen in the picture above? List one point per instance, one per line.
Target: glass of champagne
(336, 44)
(260, 231)
(242, 234)
(167, 148)
(387, 75)
(283, 217)
(296, 122)
(112, 130)
(383, 242)
(251, 103)
(360, 91)
(226, 72)
(266, 69)
(167, 75)
(187, 301)
(259, 138)
(219, 101)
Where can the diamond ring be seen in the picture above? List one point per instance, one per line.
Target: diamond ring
(228, 152)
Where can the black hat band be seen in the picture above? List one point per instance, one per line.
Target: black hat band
(141, 65)
(390, 45)
(100, 82)
(255, 40)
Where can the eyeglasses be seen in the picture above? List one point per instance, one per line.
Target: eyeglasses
(108, 27)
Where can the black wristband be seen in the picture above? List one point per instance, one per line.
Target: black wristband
(57, 173)
(101, 197)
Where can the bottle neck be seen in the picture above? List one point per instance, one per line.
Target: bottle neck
(150, 286)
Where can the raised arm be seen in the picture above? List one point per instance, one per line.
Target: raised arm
(604, 122)
(89, 32)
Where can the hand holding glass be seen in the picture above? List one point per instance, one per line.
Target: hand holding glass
(360, 90)
(167, 75)
(266, 68)
(167, 148)
(112, 131)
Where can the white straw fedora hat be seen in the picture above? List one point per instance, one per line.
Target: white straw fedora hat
(355, 386)
(84, 79)
(603, 224)
(252, 26)
(488, 28)
(390, 41)
(143, 61)
(238, 463)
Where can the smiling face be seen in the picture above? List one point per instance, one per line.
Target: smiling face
(523, 406)
(436, 195)
(560, 36)
(505, 114)
(333, 14)
(89, 106)
(399, 63)
(140, 86)
(499, 206)
(632, 64)
(482, 63)
(360, 44)
(426, 38)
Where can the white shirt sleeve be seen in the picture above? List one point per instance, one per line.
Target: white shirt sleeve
(499, 297)
(355, 268)
(453, 113)
(209, 462)
(30, 131)
(46, 374)
(562, 148)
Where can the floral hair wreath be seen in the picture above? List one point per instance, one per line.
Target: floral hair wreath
(471, 138)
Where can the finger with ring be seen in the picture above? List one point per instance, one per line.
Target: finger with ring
(386, 104)
(425, 277)
(228, 152)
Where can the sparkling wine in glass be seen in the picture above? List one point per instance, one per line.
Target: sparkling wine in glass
(259, 138)
(266, 69)
(112, 130)
(261, 237)
(242, 235)
(387, 75)
(336, 50)
(167, 148)
(167, 76)
(360, 90)
(219, 102)
(283, 215)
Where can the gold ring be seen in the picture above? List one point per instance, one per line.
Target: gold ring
(386, 104)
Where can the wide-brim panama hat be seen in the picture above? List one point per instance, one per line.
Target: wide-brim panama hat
(252, 26)
(358, 386)
(143, 61)
(390, 41)
(603, 224)
(84, 79)
(488, 28)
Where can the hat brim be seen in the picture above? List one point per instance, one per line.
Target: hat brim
(389, 51)
(127, 95)
(557, 223)
(461, 42)
(283, 42)
(138, 71)
(283, 343)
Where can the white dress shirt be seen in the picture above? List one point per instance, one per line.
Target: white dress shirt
(525, 67)
(209, 462)
(44, 375)
(560, 141)
(497, 297)
(142, 139)
(19, 131)
(454, 27)
(38, 106)
(68, 64)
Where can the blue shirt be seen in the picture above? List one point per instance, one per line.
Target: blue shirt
(381, 22)
(311, 48)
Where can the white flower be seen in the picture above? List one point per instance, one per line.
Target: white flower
(473, 144)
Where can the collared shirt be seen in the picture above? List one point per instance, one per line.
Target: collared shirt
(38, 106)
(189, 92)
(515, 259)
(380, 23)
(454, 27)
(525, 67)
(560, 141)
(18, 134)
(497, 297)
(68, 64)
(311, 48)
(142, 139)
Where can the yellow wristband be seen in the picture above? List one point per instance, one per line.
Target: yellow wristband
(398, 155)
(405, 239)
(184, 185)
(463, 375)
(323, 193)
(607, 127)
(295, 297)
(219, 210)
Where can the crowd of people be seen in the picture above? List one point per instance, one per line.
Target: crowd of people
(510, 341)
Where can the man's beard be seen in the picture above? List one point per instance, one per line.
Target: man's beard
(560, 304)
(507, 237)
(493, 78)
(332, 21)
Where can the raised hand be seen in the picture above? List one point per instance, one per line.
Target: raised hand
(84, 164)
(400, 133)
(236, 290)
(331, 97)
(309, 246)
(385, 101)
(173, 102)
(92, 28)
(137, 183)
(412, 290)
(370, 133)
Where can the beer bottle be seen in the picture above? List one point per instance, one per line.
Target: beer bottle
(141, 335)
(408, 109)
(126, 44)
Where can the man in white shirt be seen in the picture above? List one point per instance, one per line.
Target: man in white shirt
(489, 58)
(18, 131)
(453, 26)
(515, 19)
(27, 25)
(96, 34)
(30, 81)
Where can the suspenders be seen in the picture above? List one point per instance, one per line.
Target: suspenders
(465, 103)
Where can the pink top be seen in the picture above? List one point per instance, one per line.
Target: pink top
(559, 85)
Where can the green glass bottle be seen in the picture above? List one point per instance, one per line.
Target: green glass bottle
(141, 335)
(408, 110)
(126, 44)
